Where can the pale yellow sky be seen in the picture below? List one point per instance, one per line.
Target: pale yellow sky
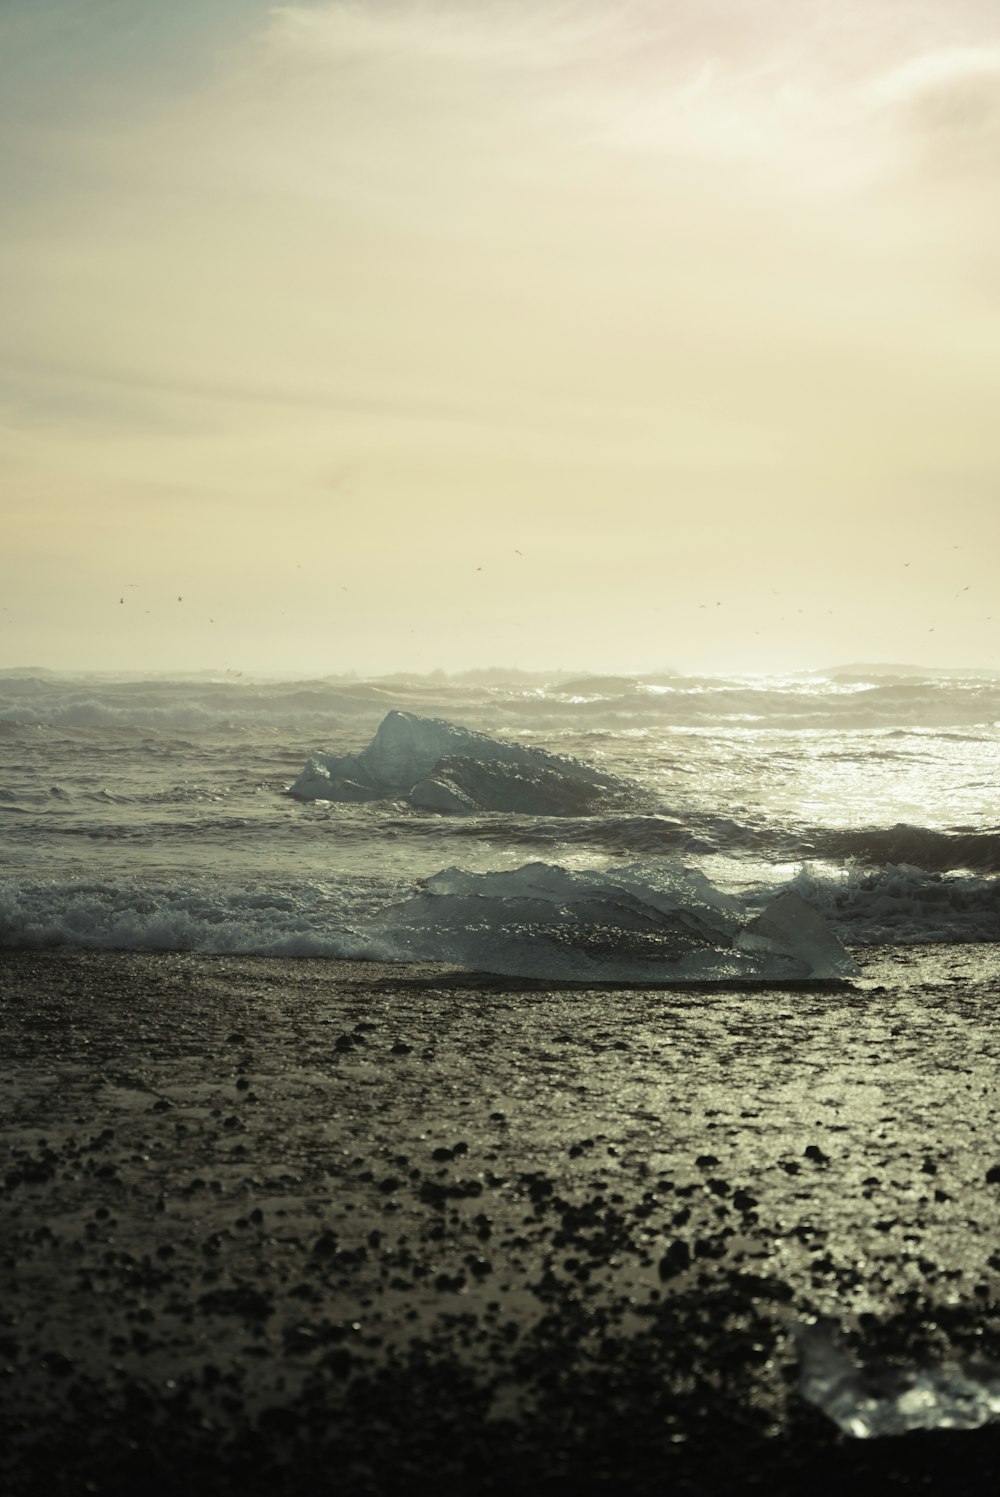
(398, 334)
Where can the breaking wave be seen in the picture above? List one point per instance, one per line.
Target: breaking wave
(915, 846)
(837, 699)
(138, 915)
(697, 834)
(360, 916)
(903, 905)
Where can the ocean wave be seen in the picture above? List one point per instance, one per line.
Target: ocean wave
(655, 924)
(700, 834)
(789, 705)
(186, 716)
(350, 917)
(593, 705)
(914, 846)
(897, 904)
(625, 834)
(139, 915)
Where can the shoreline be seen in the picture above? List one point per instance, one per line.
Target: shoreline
(274, 1224)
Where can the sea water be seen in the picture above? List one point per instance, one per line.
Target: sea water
(154, 814)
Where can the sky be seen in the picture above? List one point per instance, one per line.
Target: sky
(383, 335)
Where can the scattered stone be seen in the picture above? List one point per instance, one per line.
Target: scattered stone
(241, 1299)
(277, 1420)
(300, 1338)
(675, 1260)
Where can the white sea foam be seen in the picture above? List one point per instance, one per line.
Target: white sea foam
(900, 904)
(150, 916)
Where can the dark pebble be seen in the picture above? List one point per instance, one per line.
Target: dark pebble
(675, 1260)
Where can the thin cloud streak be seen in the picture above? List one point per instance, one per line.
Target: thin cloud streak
(134, 383)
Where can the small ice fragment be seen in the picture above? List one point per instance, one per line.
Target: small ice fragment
(790, 929)
(866, 1402)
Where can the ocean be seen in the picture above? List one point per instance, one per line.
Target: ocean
(154, 814)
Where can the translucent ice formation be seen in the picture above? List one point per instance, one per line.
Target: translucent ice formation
(886, 1400)
(440, 767)
(651, 923)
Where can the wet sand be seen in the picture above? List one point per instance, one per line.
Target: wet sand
(299, 1226)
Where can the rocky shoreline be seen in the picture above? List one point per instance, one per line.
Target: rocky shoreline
(276, 1226)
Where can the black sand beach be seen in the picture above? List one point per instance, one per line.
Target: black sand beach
(274, 1226)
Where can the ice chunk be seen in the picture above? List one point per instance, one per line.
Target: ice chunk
(887, 1400)
(790, 934)
(642, 923)
(441, 767)
(462, 783)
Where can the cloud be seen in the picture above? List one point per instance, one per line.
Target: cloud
(794, 96)
(482, 213)
(946, 105)
(491, 36)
